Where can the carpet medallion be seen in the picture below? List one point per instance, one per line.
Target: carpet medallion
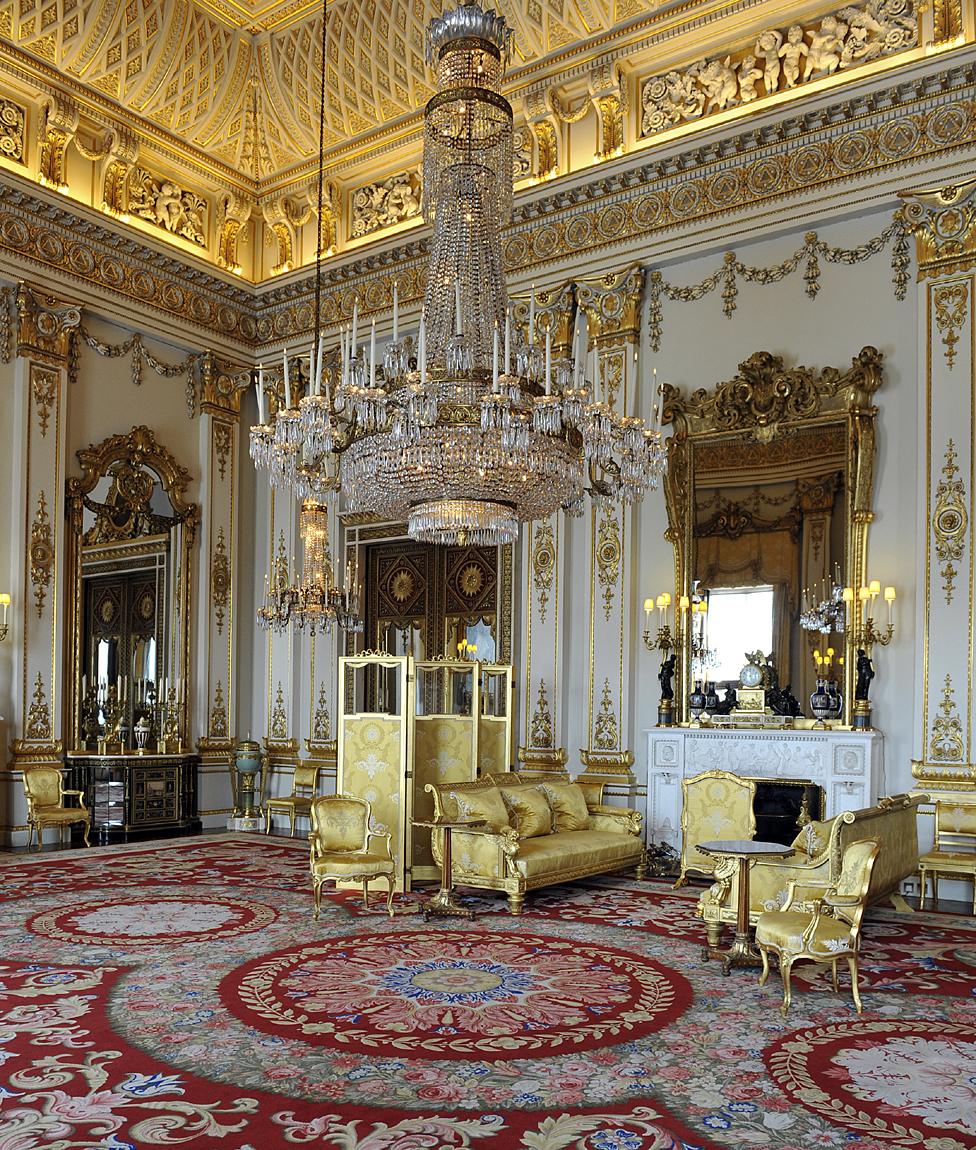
(449, 994)
(181, 995)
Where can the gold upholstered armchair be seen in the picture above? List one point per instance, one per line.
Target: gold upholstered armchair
(824, 930)
(714, 805)
(299, 803)
(340, 847)
(954, 850)
(46, 807)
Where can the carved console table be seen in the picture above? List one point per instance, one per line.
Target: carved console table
(848, 765)
(137, 796)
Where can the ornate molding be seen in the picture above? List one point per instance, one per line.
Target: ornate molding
(39, 724)
(541, 730)
(163, 202)
(13, 122)
(543, 565)
(781, 60)
(279, 717)
(946, 20)
(950, 521)
(946, 743)
(222, 446)
(321, 720)
(218, 728)
(44, 390)
(233, 214)
(220, 581)
(951, 301)
(135, 448)
(609, 553)
(606, 730)
(41, 554)
(59, 123)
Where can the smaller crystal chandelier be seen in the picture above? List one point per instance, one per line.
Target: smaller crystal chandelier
(314, 603)
(824, 610)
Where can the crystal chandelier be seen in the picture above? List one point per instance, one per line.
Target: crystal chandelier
(313, 603)
(474, 429)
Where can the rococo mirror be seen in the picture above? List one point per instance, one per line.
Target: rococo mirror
(768, 489)
(130, 535)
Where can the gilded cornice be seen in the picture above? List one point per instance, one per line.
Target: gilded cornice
(899, 126)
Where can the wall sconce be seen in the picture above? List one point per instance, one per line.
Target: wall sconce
(5, 604)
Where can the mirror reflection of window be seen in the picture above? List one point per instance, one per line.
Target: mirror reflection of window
(740, 619)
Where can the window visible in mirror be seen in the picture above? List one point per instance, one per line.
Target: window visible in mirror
(740, 619)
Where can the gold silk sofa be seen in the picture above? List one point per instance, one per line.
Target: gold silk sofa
(538, 833)
(817, 862)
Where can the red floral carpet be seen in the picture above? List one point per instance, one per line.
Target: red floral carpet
(181, 995)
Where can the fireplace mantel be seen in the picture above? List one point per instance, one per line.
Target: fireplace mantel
(849, 765)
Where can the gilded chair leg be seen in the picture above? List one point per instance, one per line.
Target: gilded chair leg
(852, 963)
(267, 821)
(84, 834)
(291, 825)
(516, 900)
(366, 894)
(389, 897)
(713, 933)
(784, 969)
(681, 880)
(317, 889)
(30, 835)
(935, 890)
(764, 953)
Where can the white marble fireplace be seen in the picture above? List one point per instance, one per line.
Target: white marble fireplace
(849, 765)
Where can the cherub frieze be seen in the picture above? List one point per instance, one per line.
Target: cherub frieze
(779, 60)
(164, 203)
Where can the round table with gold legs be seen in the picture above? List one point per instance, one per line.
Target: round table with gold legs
(444, 902)
(745, 852)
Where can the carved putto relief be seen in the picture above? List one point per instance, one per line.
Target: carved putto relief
(164, 203)
(383, 204)
(780, 60)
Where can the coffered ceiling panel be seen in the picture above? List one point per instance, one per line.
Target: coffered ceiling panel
(240, 78)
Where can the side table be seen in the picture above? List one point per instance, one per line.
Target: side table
(444, 902)
(745, 851)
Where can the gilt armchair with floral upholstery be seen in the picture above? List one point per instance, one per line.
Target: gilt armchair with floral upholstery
(714, 805)
(46, 807)
(340, 847)
(824, 930)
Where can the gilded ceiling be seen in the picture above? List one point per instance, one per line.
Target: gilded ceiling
(238, 79)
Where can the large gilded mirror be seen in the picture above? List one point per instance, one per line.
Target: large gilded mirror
(769, 490)
(130, 534)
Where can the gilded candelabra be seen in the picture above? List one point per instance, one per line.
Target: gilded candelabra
(172, 723)
(113, 708)
(671, 638)
(862, 636)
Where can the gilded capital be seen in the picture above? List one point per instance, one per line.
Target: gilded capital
(45, 325)
(554, 311)
(612, 305)
(221, 386)
(943, 221)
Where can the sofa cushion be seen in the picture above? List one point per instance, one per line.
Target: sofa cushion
(486, 804)
(568, 806)
(814, 838)
(528, 810)
(571, 852)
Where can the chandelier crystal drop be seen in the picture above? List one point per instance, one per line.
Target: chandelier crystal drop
(473, 428)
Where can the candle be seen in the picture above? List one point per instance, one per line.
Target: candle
(494, 358)
(548, 361)
(259, 387)
(396, 312)
(457, 307)
(311, 365)
(648, 608)
(355, 323)
(577, 350)
(422, 352)
(318, 363)
(508, 337)
(84, 685)
(683, 604)
(372, 354)
(889, 594)
(532, 318)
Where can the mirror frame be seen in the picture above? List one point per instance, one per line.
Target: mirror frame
(139, 449)
(763, 402)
